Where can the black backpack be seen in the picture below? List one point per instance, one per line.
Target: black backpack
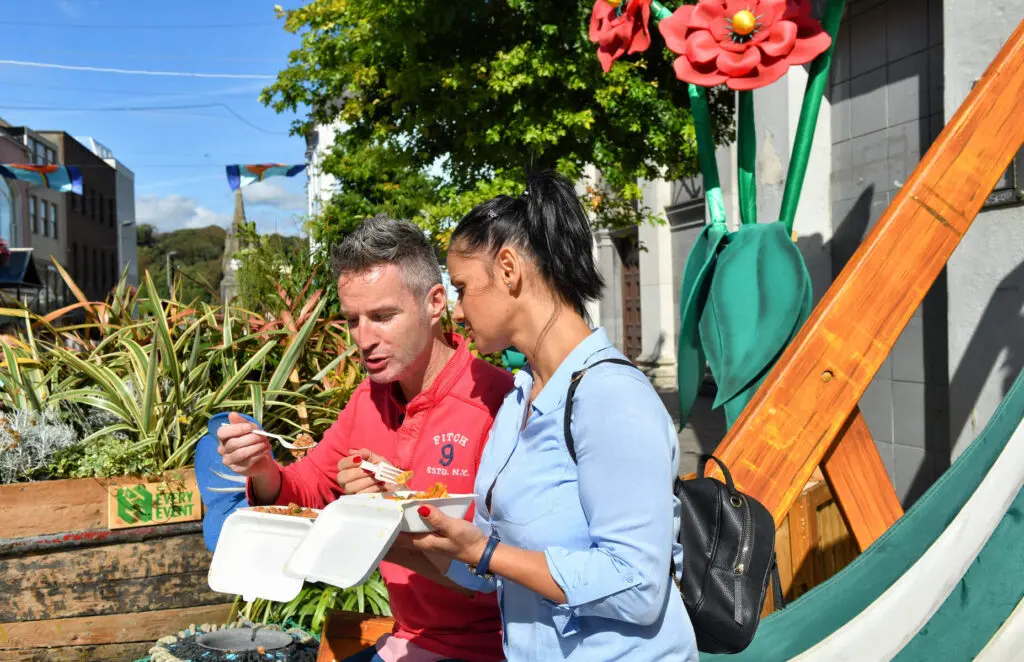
(728, 541)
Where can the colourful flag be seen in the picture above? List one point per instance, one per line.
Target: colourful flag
(57, 177)
(243, 175)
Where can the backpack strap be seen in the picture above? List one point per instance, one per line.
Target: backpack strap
(576, 378)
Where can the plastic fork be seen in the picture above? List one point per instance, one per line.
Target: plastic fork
(284, 442)
(386, 472)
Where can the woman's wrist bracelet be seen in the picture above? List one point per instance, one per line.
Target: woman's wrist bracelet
(485, 558)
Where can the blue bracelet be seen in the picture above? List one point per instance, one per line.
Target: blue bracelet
(485, 558)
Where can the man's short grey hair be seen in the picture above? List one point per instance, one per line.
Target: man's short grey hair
(382, 240)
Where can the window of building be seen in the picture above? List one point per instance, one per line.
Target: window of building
(38, 152)
(113, 212)
(75, 264)
(92, 204)
(74, 202)
(53, 220)
(96, 277)
(51, 156)
(33, 213)
(44, 217)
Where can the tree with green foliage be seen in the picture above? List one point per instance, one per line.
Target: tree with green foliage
(197, 259)
(445, 104)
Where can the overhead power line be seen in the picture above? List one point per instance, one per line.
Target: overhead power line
(107, 90)
(133, 72)
(142, 109)
(152, 26)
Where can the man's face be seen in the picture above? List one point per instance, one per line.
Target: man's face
(389, 324)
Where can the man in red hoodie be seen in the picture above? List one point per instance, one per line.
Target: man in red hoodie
(427, 406)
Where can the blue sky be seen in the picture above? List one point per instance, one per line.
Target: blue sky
(178, 155)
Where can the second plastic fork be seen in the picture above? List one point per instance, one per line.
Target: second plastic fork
(385, 472)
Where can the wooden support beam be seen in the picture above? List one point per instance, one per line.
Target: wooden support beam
(786, 430)
(860, 484)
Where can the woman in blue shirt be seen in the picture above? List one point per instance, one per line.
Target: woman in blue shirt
(579, 552)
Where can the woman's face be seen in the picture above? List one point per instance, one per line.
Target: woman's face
(484, 302)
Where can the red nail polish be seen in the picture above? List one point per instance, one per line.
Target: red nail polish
(357, 460)
(424, 511)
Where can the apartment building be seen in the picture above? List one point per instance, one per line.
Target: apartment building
(92, 238)
(124, 186)
(44, 226)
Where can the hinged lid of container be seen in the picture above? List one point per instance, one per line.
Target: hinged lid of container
(347, 542)
(250, 556)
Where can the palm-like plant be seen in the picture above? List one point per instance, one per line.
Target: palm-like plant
(160, 368)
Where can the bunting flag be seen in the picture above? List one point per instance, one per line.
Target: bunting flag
(243, 175)
(57, 177)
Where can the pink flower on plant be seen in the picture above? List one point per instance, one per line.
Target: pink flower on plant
(745, 44)
(5, 251)
(620, 27)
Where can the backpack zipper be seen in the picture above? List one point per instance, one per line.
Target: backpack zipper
(742, 555)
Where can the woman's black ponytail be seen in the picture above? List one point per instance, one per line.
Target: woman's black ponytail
(550, 223)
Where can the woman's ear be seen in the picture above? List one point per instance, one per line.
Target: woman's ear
(508, 266)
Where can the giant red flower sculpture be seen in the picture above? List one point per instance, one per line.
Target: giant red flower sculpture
(745, 44)
(620, 27)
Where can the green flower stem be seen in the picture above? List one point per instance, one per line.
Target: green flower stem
(706, 152)
(747, 142)
(705, 139)
(809, 116)
(659, 11)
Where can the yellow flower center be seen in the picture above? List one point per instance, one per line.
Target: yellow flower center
(744, 22)
(615, 3)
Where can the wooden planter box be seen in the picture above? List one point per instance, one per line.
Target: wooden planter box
(812, 545)
(346, 633)
(76, 589)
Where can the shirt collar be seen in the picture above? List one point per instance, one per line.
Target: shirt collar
(552, 396)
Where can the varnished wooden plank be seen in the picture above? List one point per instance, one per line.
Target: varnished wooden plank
(161, 556)
(139, 594)
(112, 629)
(784, 556)
(790, 424)
(56, 506)
(346, 633)
(803, 535)
(105, 653)
(858, 480)
(53, 506)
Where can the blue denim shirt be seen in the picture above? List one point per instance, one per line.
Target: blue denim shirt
(607, 524)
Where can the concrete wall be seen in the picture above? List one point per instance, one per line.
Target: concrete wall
(986, 274)
(319, 186)
(127, 230)
(886, 107)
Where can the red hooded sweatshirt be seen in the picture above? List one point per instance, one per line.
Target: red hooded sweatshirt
(439, 435)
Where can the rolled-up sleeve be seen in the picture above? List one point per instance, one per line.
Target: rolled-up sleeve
(627, 457)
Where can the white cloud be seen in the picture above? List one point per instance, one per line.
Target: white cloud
(69, 8)
(271, 194)
(176, 212)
